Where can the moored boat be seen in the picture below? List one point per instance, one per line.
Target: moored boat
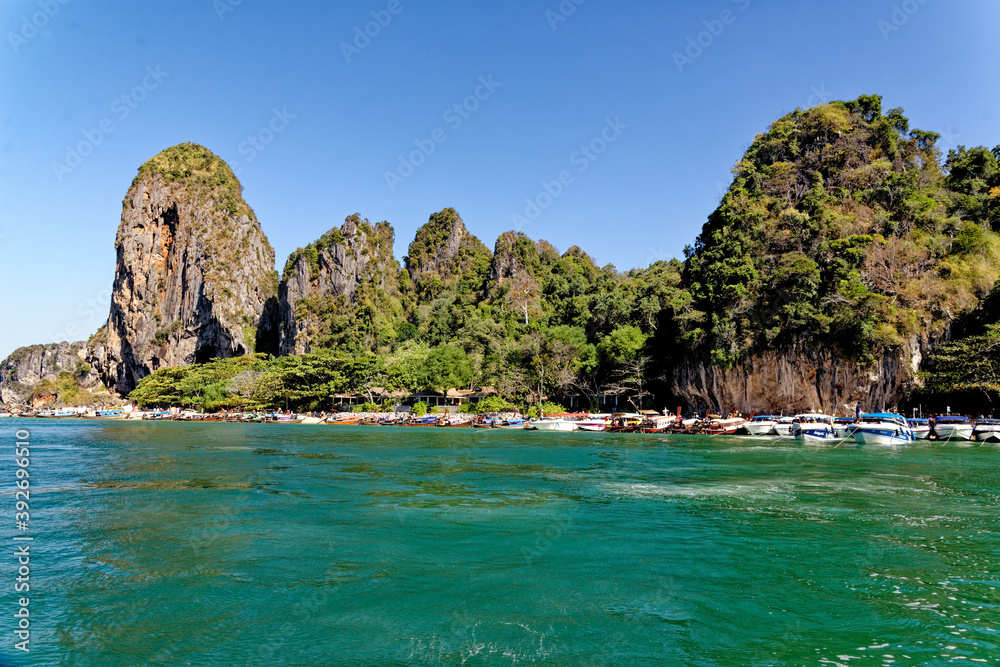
(921, 428)
(728, 426)
(657, 424)
(761, 425)
(883, 428)
(987, 430)
(511, 424)
(843, 427)
(594, 422)
(452, 422)
(952, 427)
(429, 420)
(814, 427)
(553, 424)
(784, 425)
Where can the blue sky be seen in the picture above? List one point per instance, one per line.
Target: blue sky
(663, 96)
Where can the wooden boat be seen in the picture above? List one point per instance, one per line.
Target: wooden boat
(485, 423)
(657, 424)
(56, 414)
(449, 423)
(422, 421)
(343, 422)
(625, 422)
(511, 424)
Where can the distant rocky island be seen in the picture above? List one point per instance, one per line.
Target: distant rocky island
(848, 262)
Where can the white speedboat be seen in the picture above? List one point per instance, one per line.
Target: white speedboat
(843, 427)
(883, 428)
(921, 428)
(6, 414)
(554, 425)
(761, 425)
(987, 430)
(952, 427)
(814, 426)
(784, 425)
(596, 422)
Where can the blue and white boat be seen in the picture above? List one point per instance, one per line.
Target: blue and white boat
(883, 428)
(814, 426)
(987, 430)
(921, 427)
(843, 427)
(952, 427)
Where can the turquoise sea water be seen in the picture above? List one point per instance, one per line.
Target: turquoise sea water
(251, 544)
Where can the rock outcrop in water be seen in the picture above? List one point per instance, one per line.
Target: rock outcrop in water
(329, 278)
(195, 274)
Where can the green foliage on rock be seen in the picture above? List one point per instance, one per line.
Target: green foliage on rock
(838, 231)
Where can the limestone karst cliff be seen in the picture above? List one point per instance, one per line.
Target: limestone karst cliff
(805, 380)
(444, 255)
(36, 375)
(329, 280)
(195, 274)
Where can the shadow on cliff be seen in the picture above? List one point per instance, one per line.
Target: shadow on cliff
(269, 328)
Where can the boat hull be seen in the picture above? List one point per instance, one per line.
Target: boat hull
(883, 435)
(760, 428)
(818, 434)
(987, 435)
(555, 425)
(950, 432)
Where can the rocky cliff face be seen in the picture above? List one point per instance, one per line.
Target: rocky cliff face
(801, 381)
(28, 376)
(505, 264)
(444, 255)
(195, 274)
(330, 274)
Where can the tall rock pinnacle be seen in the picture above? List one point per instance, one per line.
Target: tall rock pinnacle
(195, 273)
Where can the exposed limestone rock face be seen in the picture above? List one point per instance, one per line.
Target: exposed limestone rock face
(505, 264)
(28, 367)
(326, 280)
(195, 274)
(444, 254)
(807, 380)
